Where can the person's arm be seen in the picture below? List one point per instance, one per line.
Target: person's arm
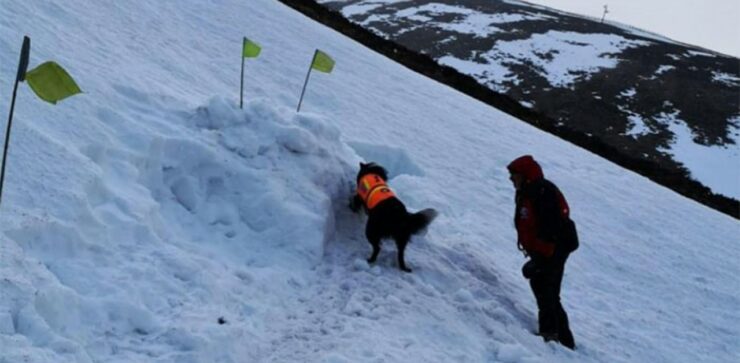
(529, 233)
(547, 208)
(553, 216)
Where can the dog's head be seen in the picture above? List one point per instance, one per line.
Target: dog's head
(372, 168)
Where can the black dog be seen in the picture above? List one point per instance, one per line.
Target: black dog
(387, 216)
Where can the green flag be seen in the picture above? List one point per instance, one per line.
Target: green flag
(322, 62)
(250, 49)
(51, 82)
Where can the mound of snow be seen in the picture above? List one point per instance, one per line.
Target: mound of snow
(273, 196)
(188, 216)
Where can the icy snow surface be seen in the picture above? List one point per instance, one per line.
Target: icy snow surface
(152, 220)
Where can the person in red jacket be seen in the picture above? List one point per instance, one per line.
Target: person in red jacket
(547, 236)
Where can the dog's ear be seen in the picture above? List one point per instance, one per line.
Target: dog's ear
(362, 165)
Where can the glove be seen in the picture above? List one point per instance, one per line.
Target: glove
(530, 269)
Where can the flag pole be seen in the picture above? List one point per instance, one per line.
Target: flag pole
(22, 66)
(306, 83)
(241, 89)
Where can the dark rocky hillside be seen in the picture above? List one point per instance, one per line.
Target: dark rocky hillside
(616, 91)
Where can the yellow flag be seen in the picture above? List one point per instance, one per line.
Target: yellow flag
(322, 62)
(51, 82)
(250, 49)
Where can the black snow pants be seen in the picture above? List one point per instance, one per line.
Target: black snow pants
(553, 321)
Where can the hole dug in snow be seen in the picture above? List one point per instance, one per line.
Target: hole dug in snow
(395, 160)
(406, 177)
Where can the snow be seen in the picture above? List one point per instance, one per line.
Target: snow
(637, 126)
(725, 78)
(497, 75)
(694, 53)
(562, 58)
(478, 24)
(703, 161)
(554, 53)
(629, 93)
(674, 57)
(663, 69)
(361, 8)
(551, 54)
(138, 215)
(468, 21)
(473, 22)
(709, 25)
(526, 104)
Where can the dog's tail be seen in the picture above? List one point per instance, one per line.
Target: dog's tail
(418, 221)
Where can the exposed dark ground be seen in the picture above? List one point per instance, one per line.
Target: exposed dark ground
(592, 111)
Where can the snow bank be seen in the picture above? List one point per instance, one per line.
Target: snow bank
(275, 192)
(240, 190)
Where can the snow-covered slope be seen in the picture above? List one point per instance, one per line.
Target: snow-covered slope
(152, 220)
(649, 98)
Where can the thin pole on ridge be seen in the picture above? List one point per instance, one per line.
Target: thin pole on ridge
(606, 11)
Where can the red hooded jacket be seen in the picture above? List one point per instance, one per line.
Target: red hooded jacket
(540, 208)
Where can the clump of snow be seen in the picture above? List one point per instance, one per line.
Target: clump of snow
(275, 193)
(471, 21)
(360, 8)
(496, 75)
(479, 25)
(696, 53)
(663, 69)
(629, 93)
(637, 126)
(725, 78)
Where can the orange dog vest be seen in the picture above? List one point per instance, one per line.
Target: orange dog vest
(373, 190)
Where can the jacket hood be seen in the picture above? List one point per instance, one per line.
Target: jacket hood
(527, 166)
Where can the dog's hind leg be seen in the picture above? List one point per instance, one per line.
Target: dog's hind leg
(376, 250)
(374, 240)
(401, 242)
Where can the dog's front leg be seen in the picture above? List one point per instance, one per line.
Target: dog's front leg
(355, 203)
